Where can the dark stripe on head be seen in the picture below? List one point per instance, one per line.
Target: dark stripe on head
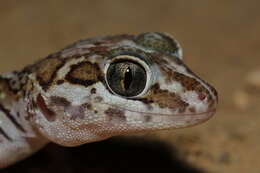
(5, 135)
(11, 118)
(84, 73)
(46, 71)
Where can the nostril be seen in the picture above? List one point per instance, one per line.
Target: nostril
(201, 96)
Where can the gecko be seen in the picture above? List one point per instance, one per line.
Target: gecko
(97, 88)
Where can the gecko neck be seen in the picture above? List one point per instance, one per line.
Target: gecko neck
(17, 133)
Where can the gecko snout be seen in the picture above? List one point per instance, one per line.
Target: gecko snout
(202, 99)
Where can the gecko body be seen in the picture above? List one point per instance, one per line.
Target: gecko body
(98, 88)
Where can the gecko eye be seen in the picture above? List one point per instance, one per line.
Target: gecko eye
(126, 78)
(159, 42)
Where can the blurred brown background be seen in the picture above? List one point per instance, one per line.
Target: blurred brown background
(221, 43)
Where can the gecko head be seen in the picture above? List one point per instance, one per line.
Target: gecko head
(131, 84)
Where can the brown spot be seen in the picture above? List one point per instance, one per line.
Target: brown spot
(46, 71)
(98, 43)
(192, 110)
(59, 101)
(59, 82)
(201, 96)
(93, 91)
(84, 73)
(88, 106)
(48, 114)
(164, 98)
(113, 114)
(95, 111)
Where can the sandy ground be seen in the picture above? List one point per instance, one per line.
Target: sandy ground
(221, 43)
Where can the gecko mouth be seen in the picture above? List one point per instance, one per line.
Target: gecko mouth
(156, 121)
(212, 111)
(208, 112)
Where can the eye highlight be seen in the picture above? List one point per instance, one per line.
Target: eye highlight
(126, 78)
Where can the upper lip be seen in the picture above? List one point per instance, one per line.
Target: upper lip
(213, 110)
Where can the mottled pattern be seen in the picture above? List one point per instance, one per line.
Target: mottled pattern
(59, 101)
(84, 73)
(12, 85)
(46, 71)
(114, 114)
(165, 98)
(68, 97)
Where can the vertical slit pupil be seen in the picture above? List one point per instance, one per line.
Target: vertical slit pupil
(128, 78)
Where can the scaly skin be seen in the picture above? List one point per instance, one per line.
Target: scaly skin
(98, 88)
